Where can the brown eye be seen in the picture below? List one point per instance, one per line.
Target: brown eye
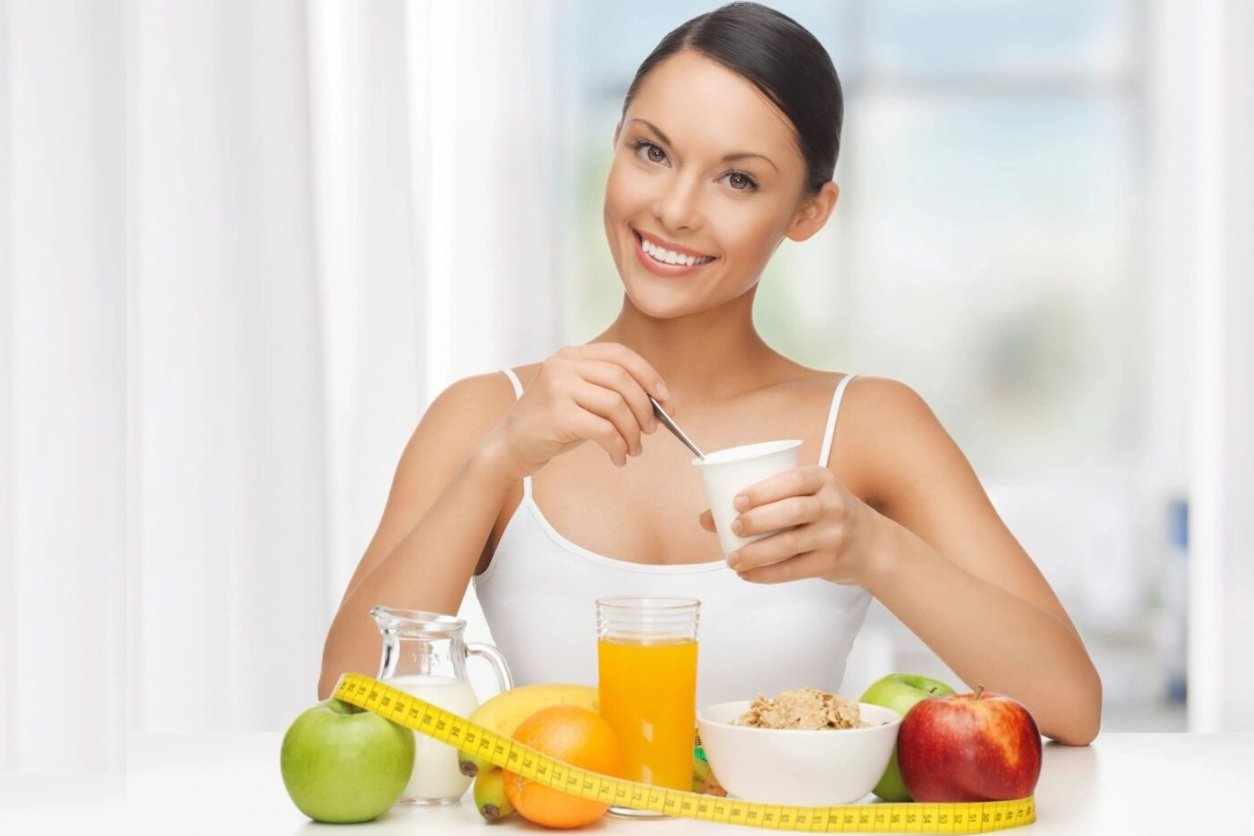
(740, 181)
(649, 148)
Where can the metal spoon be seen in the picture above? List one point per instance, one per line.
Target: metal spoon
(673, 427)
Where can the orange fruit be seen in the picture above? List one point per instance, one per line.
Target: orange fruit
(574, 735)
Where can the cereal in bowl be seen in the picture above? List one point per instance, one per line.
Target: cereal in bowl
(802, 708)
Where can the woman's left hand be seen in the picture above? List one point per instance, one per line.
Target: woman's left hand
(832, 538)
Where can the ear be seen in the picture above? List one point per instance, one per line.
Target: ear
(814, 212)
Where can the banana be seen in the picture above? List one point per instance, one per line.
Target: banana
(704, 780)
(490, 798)
(505, 712)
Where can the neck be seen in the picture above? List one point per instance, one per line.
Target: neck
(708, 356)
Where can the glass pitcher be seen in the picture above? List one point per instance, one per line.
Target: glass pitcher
(424, 654)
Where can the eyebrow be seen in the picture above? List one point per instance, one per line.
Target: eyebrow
(739, 155)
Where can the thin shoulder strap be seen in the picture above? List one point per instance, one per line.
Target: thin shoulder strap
(518, 390)
(831, 418)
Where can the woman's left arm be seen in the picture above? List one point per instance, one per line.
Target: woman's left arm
(929, 545)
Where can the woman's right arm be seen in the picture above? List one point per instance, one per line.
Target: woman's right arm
(456, 496)
(457, 471)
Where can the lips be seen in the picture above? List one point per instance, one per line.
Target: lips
(661, 268)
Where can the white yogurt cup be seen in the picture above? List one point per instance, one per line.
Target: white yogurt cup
(727, 472)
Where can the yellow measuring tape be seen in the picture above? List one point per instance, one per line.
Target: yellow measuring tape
(499, 750)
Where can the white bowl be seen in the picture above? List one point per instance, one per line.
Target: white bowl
(807, 768)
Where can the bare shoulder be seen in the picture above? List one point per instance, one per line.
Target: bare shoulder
(448, 431)
(885, 397)
(895, 444)
(462, 414)
(472, 405)
(451, 427)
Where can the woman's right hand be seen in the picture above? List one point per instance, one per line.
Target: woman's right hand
(596, 392)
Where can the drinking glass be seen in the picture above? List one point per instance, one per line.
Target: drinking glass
(647, 666)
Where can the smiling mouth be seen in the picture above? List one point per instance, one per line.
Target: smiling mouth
(667, 258)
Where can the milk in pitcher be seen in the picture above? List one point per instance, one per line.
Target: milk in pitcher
(437, 778)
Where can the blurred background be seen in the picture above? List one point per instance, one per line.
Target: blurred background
(243, 246)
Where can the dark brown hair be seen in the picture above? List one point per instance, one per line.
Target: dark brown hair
(782, 59)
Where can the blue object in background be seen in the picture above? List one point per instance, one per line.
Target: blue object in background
(1176, 600)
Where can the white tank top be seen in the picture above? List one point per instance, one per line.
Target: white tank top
(538, 595)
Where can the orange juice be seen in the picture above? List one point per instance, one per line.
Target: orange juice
(648, 691)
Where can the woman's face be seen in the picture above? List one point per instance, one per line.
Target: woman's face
(678, 179)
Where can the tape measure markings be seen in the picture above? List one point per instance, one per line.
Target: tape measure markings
(414, 713)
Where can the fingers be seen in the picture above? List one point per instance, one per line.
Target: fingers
(615, 378)
(776, 547)
(799, 480)
(604, 432)
(645, 375)
(609, 404)
(792, 510)
(808, 565)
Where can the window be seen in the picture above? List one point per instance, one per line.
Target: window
(987, 250)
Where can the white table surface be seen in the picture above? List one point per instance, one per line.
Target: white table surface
(230, 784)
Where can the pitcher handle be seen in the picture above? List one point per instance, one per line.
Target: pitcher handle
(503, 677)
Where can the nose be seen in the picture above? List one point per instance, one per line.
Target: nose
(679, 205)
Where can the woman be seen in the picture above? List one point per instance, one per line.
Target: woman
(727, 145)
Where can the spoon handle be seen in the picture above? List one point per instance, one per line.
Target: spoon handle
(673, 427)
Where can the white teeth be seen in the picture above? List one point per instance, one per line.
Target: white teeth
(671, 257)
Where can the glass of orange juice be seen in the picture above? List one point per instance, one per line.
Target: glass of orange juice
(647, 666)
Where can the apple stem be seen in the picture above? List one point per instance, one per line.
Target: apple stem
(979, 689)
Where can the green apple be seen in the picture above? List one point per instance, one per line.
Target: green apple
(900, 691)
(345, 764)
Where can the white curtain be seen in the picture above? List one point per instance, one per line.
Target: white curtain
(314, 262)
(326, 213)
(436, 168)
(62, 385)
(1217, 223)
(435, 152)
(229, 556)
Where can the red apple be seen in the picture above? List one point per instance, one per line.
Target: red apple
(969, 747)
